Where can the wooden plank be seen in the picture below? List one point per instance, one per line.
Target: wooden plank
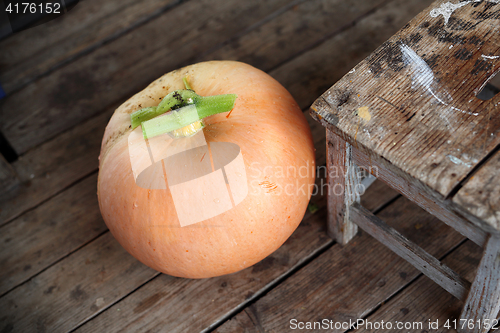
(344, 188)
(313, 72)
(123, 67)
(347, 283)
(480, 196)
(199, 304)
(34, 52)
(54, 166)
(423, 118)
(8, 177)
(420, 194)
(48, 233)
(423, 300)
(79, 286)
(411, 252)
(483, 303)
(301, 28)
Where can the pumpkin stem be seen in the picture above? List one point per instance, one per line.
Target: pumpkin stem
(187, 109)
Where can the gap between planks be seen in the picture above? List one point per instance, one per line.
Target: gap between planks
(286, 275)
(113, 36)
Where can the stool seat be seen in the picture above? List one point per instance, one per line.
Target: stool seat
(414, 103)
(410, 115)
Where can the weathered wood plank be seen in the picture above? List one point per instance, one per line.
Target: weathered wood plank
(344, 188)
(123, 67)
(79, 286)
(423, 300)
(480, 196)
(8, 177)
(483, 302)
(422, 117)
(312, 73)
(28, 54)
(198, 304)
(54, 166)
(48, 233)
(347, 283)
(304, 26)
(411, 252)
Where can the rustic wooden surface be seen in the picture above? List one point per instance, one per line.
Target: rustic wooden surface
(60, 268)
(418, 91)
(423, 300)
(480, 196)
(348, 282)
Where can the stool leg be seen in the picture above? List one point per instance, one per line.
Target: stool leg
(343, 188)
(483, 301)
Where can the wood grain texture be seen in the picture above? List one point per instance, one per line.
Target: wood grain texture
(424, 300)
(343, 188)
(419, 88)
(8, 177)
(347, 283)
(33, 52)
(68, 293)
(123, 67)
(480, 196)
(55, 165)
(411, 252)
(483, 302)
(46, 234)
(310, 74)
(303, 26)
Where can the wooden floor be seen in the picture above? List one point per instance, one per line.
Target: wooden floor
(60, 268)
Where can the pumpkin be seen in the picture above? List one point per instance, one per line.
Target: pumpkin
(276, 147)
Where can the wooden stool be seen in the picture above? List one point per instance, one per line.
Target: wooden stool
(409, 115)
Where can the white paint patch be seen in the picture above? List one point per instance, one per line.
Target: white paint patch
(447, 10)
(490, 57)
(458, 161)
(424, 77)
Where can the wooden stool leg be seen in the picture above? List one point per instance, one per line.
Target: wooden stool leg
(483, 301)
(343, 188)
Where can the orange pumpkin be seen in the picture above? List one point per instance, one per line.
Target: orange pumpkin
(275, 142)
